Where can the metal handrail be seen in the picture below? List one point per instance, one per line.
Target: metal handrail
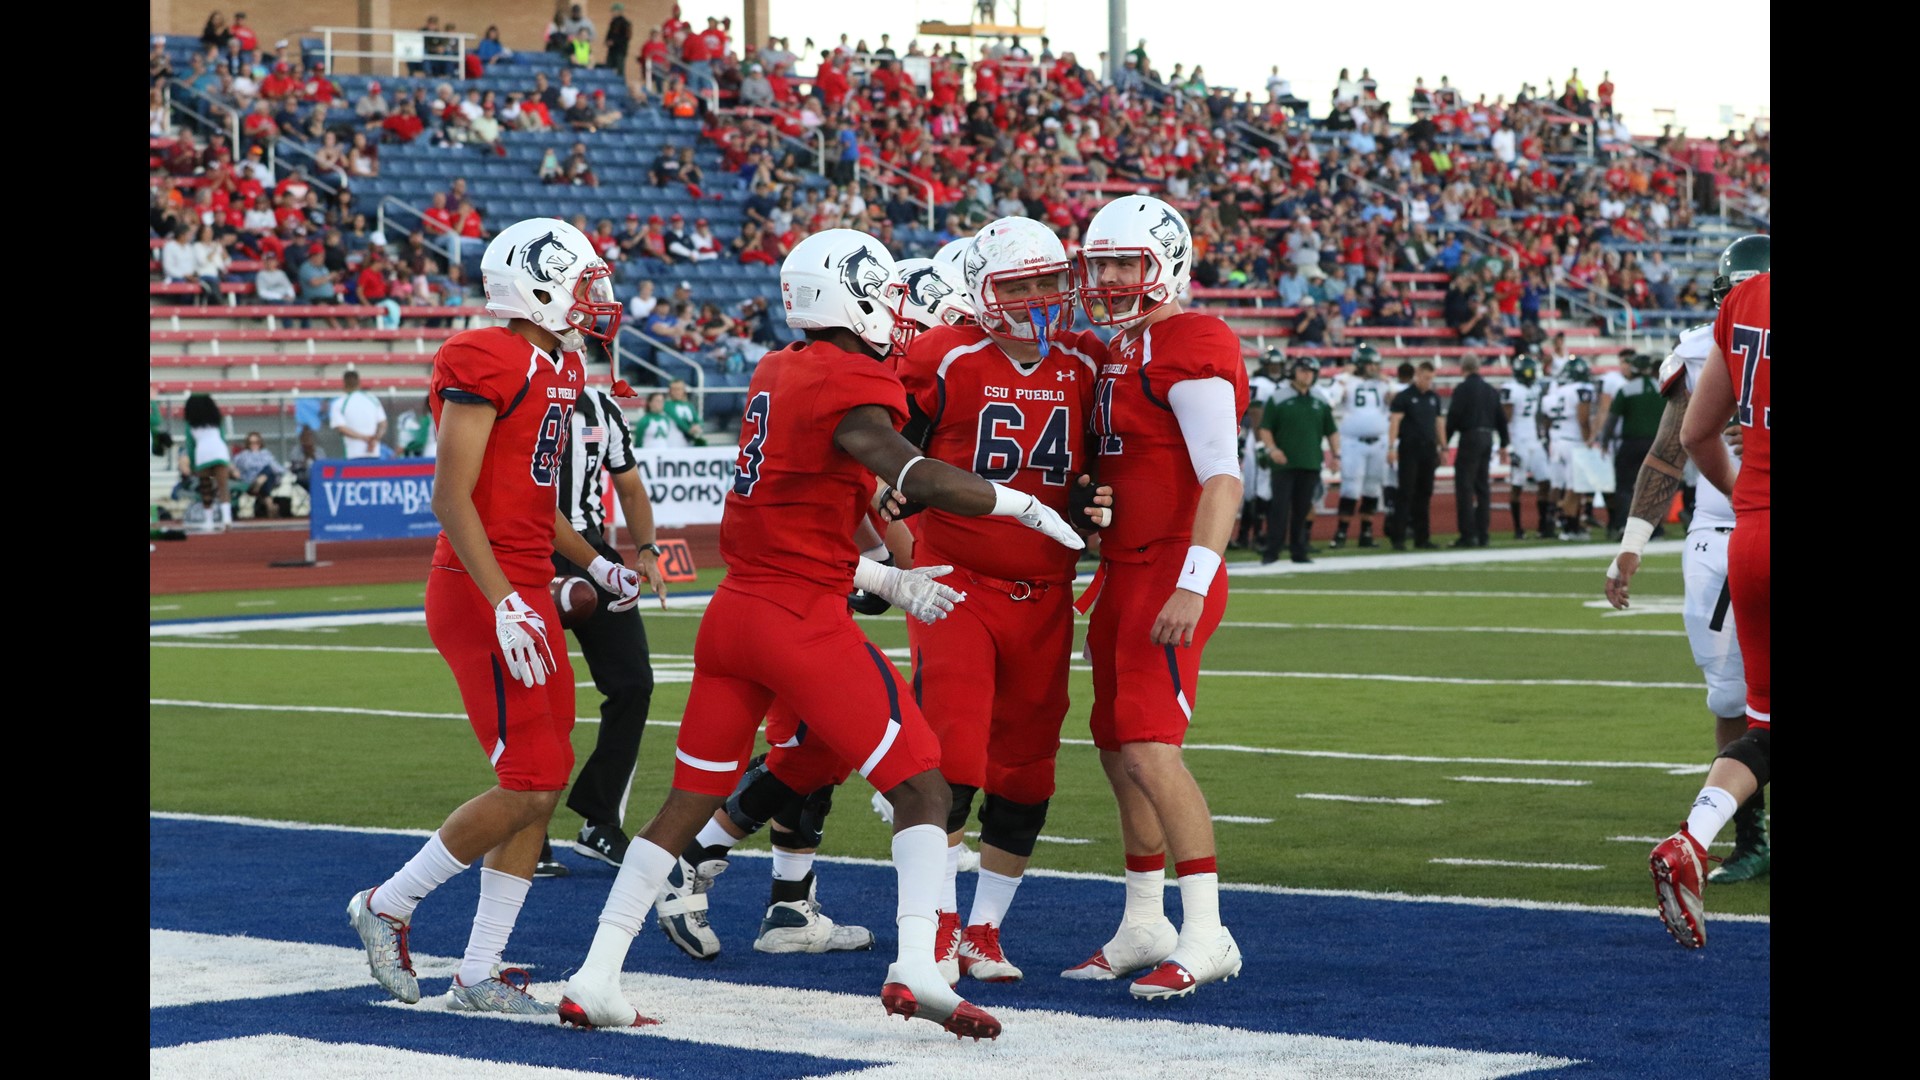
(453, 241)
(232, 131)
(620, 356)
(1587, 123)
(932, 207)
(459, 58)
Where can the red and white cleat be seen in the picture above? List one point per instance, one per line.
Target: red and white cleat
(1678, 865)
(946, 947)
(917, 993)
(1190, 968)
(595, 1006)
(1134, 946)
(981, 957)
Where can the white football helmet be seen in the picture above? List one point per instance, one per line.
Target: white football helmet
(953, 254)
(925, 294)
(544, 271)
(1020, 281)
(839, 277)
(1136, 228)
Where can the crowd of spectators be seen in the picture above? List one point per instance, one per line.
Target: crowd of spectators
(1312, 204)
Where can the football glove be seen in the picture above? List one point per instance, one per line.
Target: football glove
(616, 579)
(1035, 515)
(914, 591)
(523, 638)
(894, 505)
(1081, 508)
(864, 602)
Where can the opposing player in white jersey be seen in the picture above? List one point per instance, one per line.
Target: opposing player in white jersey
(1526, 452)
(1567, 416)
(1707, 610)
(1363, 445)
(1255, 478)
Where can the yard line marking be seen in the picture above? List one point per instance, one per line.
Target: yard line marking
(1236, 819)
(1457, 560)
(1392, 629)
(1485, 569)
(1652, 605)
(1637, 911)
(1447, 680)
(1658, 839)
(280, 647)
(163, 607)
(1348, 755)
(358, 596)
(1519, 780)
(256, 603)
(1519, 865)
(1369, 799)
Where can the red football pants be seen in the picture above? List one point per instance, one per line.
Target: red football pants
(751, 652)
(1750, 585)
(526, 731)
(1144, 692)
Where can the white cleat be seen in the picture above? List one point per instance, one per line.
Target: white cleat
(1189, 968)
(385, 938)
(504, 992)
(598, 1005)
(946, 947)
(982, 958)
(797, 926)
(914, 990)
(682, 911)
(882, 807)
(1134, 946)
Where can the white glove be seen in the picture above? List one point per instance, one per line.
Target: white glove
(616, 579)
(523, 637)
(1035, 515)
(913, 591)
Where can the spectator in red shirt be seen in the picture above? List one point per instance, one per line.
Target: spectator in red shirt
(439, 220)
(259, 129)
(1604, 92)
(244, 39)
(697, 54)
(654, 245)
(373, 286)
(403, 125)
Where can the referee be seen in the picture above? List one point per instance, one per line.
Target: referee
(614, 644)
(1476, 416)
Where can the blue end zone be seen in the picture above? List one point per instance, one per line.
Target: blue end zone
(1610, 990)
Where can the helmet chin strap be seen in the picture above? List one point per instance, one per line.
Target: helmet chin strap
(571, 340)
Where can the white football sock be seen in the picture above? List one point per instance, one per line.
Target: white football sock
(642, 873)
(992, 895)
(429, 869)
(1146, 896)
(501, 895)
(950, 885)
(1199, 906)
(1711, 812)
(713, 834)
(916, 863)
(791, 865)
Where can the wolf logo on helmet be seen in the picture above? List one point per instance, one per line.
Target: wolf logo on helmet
(862, 274)
(1172, 236)
(547, 259)
(926, 288)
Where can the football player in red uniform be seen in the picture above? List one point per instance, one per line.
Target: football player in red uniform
(502, 400)
(1166, 427)
(1007, 399)
(820, 424)
(791, 786)
(1737, 384)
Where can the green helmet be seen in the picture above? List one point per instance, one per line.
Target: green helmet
(1577, 371)
(1526, 370)
(1306, 363)
(1362, 356)
(1274, 358)
(1641, 365)
(1743, 258)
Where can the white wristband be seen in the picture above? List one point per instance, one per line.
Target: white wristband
(869, 575)
(1633, 539)
(900, 482)
(1008, 502)
(1202, 564)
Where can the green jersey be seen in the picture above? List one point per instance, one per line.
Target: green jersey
(1639, 406)
(1298, 424)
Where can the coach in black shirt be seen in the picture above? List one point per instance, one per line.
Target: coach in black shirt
(1476, 417)
(1415, 433)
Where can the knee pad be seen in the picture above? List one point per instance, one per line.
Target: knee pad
(1368, 503)
(962, 806)
(1755, 751)
(758, 797)
(1347, 507)
(1010, 826)
(1726, 697)
(804, 819)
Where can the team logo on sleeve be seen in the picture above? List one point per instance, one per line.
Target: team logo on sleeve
(1172, 236)
(547, 259)
(862, 274)
(925, 288)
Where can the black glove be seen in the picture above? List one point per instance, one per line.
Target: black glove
(1080, 503)
(865, 603)
(895, 506)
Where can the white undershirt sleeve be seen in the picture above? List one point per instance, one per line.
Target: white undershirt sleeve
(1204, 408)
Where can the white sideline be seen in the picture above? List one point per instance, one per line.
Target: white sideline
(1599, 554)
(1069, 875)
(1521, 865)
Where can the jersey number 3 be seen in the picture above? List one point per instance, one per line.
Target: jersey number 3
(998, 458)
(746, 471)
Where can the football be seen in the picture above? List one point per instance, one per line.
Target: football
(575, 599)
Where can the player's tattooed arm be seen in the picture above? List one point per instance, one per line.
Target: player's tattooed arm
(1663, 471)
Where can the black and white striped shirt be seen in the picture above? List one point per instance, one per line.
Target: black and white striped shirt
(600, 438)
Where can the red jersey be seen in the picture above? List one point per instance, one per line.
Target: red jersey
(787, 531)
(532, 395)
(1025, 430)
(1142, 451)
(1744, 332)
